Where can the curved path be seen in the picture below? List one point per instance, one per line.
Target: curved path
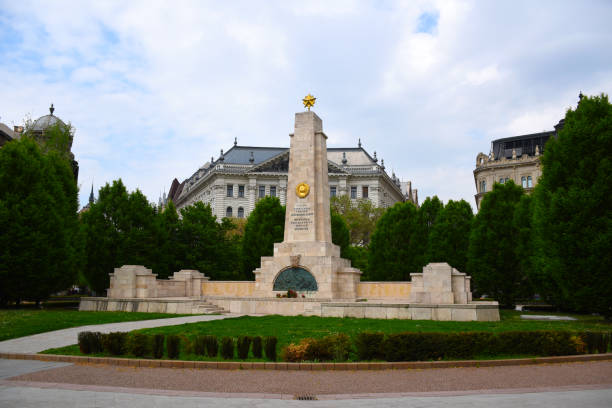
(61, 338)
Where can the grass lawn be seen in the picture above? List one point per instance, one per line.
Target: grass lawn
(291, 329)
(24, 322)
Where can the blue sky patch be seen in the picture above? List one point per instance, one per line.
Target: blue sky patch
(428, 22)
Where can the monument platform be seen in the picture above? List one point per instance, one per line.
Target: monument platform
(306, 264)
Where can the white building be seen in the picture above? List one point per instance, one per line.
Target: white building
(234, 182)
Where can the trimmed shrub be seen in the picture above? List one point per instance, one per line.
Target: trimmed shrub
(227, 348)
(173, 344)
(158, 345)
(596, 342)
(334, 347)
(257, 347)
(244, 343)
(139, 344)
(114, 343)
(90, 342)
(270, 347)
(212, 345)
(294, 353)
(436, 346)
(369, 346)
(199, 345)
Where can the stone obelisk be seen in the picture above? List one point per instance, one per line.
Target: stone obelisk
(307, 261)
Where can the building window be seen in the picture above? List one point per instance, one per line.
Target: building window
(364, 192)
(529, 182)
(240, 191)
(262, 191)
(230, 190)
(501, 180)
(228, 212)
(332, 191)
(483, 186)
(272, 191)
(524, 182)
(353, 192)
(240, 212)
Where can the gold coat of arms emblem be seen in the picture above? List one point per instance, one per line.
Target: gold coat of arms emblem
(302, 190)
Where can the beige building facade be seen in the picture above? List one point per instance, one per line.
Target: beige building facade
(234, 182)
(514, 158)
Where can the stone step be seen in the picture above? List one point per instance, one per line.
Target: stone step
(208, 308)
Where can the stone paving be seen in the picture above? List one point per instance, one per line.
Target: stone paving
(60, 338)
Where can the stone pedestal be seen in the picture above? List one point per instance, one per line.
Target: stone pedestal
(440, 284)
(132, 281)
(307, 261)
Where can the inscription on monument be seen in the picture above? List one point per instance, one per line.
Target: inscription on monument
(301, 217)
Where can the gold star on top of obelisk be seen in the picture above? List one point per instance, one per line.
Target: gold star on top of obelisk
(309, 101)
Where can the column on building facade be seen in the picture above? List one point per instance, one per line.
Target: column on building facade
(252, 194)
(282, 190)
(342, 186)
(218, 190)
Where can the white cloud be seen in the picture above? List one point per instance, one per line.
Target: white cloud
(154, 89)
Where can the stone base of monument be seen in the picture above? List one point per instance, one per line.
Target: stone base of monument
(312, 269)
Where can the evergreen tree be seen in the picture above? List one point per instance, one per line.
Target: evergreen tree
(493, 261)
(396, 249)
(170, 253)
(340, 234)
(39, 235)
(265, 226)
(573, 211)
(119, 230)
(204, 243)
(450, 236)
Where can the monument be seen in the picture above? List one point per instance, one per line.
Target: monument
(307, 261)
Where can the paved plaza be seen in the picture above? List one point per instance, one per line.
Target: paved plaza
(25, 383)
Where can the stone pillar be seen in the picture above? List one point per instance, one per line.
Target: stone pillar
(132, 281)
(307, 218)
(193, 281)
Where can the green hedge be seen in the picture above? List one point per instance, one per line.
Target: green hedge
(365, 346)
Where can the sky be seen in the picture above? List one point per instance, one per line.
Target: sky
(155, 88)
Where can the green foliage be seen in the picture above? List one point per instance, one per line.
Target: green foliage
(227, 348)
(596, 342)
(449, 237)
(244, 343)
(436, 346)
(40, 243)
(573, 211)
(115, 343)
(493, 261)
(90, 342)
(397, 248)
(173, 344)
(369, 346)
(212, 345)
(119, 230)
(257, 347)
(204, 244)
(199, 346)
(265, 226)
(169, 255)
(361, 217)
(270, 347)
(340, 234)
(335, 347)
(139, 344)
(158, 345)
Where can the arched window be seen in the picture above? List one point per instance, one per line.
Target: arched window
(529, 182)
(240, 212)
(228, 212)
